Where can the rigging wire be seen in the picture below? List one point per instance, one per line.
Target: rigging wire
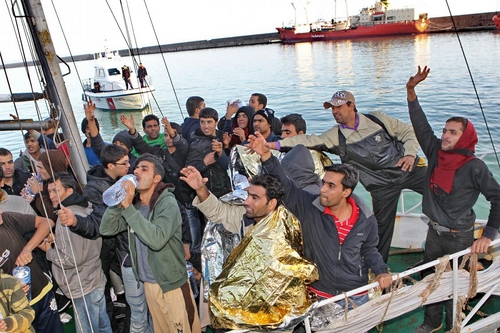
(163, 58)
(45, 141)
(129, 47)
(473, 83)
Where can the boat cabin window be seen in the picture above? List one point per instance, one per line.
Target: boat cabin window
(99, 72)
(390, 18)
(113, 71)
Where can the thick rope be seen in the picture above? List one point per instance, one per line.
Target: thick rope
(434, 283)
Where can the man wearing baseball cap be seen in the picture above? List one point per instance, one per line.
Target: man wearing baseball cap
(382, 149)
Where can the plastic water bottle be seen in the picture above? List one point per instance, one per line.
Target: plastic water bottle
(192, 280)
(240, 182)
(23, 274)
(28, 192)
(116, 193)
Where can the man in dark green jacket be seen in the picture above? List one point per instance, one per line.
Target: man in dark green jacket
(153, 220)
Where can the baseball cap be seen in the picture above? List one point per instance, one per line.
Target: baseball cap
(339, 98)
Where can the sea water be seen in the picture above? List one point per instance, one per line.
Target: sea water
(299, 77)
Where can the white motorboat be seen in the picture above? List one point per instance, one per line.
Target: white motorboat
(107, 89)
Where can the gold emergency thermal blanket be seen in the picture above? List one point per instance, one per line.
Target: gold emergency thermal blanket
(263, 282)
(252, 163)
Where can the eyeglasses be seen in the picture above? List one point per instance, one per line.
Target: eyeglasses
(122, 163)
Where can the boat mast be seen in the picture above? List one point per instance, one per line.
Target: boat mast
(126, 30)
(47, 56)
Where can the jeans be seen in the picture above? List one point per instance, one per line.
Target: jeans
(357, 300)
(437, 244)
(93, 308)
(140, 321)
(195, 228)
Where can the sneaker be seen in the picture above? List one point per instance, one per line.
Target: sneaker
(424, 328)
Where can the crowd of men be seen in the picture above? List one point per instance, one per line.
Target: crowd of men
(76, 245)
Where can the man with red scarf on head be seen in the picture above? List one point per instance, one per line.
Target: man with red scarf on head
(454, 180)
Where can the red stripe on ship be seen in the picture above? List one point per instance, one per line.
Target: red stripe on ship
(111, 104)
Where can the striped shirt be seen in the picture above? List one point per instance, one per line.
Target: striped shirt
(344, 227)
(14, 306)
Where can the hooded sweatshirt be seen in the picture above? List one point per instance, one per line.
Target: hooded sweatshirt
(299, 165)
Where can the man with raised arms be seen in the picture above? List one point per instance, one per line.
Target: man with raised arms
(454, 180)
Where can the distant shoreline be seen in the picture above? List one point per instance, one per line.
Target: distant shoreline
(464, 23)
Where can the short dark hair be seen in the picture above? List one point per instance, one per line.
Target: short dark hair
(112, 153)
(461, 120)
(85, 123)
(351, 176)
(274, 187)
(176, 127)
(261, 98)
(296, 120)
(5, 152)
(67, 180)
(192, 103)
(159, 169)
(148, 118)
(209, 113)
(349, 104)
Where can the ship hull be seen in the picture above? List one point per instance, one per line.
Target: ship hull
(133, 99)
(288, 35)
(496, 20)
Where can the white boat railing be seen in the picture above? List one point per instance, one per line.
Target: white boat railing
(372, 317)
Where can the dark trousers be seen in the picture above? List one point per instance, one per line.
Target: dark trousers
(46, 315)
(385, 206)
(438, 244)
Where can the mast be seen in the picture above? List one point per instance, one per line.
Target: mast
(39, 29)
(126, 30)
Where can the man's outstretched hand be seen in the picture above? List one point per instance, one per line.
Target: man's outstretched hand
(258, 144)
(417, 78)
(193, 178)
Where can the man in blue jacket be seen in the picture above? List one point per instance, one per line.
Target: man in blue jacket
(338, 229)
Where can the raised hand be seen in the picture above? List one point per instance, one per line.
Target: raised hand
(193, 178)
(240, 132)
(128, 122)
(209, 158)
(258, 144)
(168, 127)
(417, 78)
(231, 109)
(217, 147)
(89, 109)
(66, 217)
(226, 139)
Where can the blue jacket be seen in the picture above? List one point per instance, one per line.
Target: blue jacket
(341, 267)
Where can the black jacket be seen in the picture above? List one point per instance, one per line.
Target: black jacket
(341, 267)
(218, 179)
(455, 210)
(20, 179)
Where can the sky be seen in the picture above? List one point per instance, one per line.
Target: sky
(89, 25)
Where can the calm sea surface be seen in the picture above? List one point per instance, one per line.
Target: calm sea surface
(298, 78)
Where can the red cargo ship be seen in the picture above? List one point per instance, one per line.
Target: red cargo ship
(371, 22)
(496, 20)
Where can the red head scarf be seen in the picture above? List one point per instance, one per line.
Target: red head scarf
(450, 161)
